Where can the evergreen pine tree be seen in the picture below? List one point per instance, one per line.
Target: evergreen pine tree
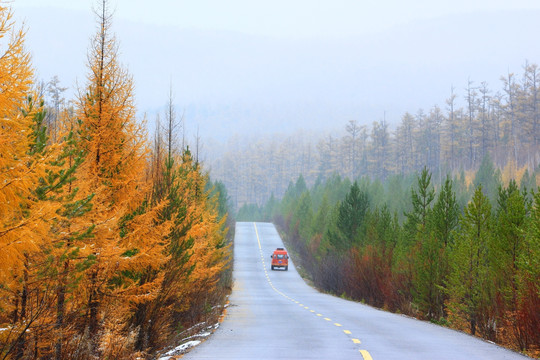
(508, 246)
(351, 217)
(303, 217)
(528, 286)
(445, 213)
(417, 218)
(469, 288)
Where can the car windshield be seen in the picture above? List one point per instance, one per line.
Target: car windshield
(280, 256)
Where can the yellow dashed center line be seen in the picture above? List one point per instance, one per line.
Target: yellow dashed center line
(365, 354)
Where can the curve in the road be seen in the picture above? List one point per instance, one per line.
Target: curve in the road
(365, 354)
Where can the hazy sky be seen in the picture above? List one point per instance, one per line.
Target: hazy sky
(288, 18)
(281, 65)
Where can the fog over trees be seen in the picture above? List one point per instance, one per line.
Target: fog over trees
(500, 124)
(232, 82)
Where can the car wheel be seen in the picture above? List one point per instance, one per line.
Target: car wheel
(286, 268)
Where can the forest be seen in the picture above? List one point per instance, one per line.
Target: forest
(451, 138)
(112, 244)
(461, 255)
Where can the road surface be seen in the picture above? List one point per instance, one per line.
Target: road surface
(275, 315)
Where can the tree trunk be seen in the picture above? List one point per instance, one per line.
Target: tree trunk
(93, 306)
(20, 345)
(60, 311)
(473, 325)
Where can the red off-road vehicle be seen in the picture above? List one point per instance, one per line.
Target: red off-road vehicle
(280, 258)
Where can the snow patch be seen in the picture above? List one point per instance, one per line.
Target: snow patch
(204, 334)
(180, 349)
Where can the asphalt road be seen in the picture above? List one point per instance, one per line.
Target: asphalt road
(275, 315)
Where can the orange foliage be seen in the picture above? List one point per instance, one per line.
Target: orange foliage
(29, 212)
(128, 240)
(209, 257)
(86, 252)
(18, 171)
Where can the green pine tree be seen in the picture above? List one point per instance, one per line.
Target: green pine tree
(508, 245)
(351, 217)
(528, 284)
(432, 259)
(422, 198)
(303, 217)
(445, 213)
(415, 234)
(320, 219)
(469, 288)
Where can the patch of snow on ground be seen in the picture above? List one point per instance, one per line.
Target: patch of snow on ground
(180, 349)
(204, 334)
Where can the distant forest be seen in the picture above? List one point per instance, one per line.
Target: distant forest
(472, 124)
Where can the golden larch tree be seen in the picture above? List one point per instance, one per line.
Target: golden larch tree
(24, 216)
(18, 171)
(210, 251)
(127, 238)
